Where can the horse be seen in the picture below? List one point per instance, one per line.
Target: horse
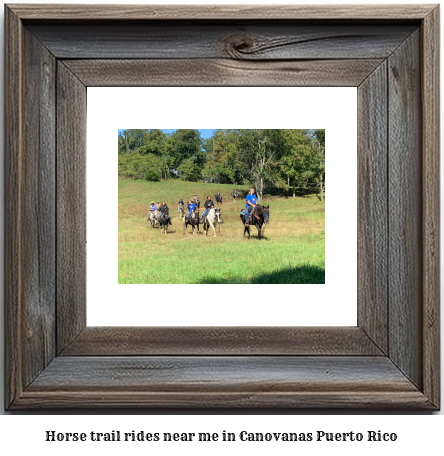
(153, 217)
(259, 217)
(211, 219)
(181, 210)
(235, 195)
(164, 221)
(193, 220)
(218, 198)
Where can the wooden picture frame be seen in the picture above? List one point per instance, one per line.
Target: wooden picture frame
(390, 360)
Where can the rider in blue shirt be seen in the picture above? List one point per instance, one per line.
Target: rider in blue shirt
(250, 203)
(192, 207)
(152, 209)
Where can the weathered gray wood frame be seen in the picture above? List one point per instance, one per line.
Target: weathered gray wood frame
(390, 360)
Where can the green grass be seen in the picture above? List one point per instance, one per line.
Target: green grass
(293, 250)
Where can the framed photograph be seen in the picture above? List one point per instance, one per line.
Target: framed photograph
(296, 243)
(390, 359)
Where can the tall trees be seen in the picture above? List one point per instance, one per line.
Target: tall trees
(319, 145)
(165, 154)
(260, 151)
(131, 140)
(139, 166)
(183, 144)
(297, 164)
(268, 159)
(188, 170)
(222, 158)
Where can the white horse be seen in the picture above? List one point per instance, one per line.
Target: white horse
(153, 217)
(211, 219)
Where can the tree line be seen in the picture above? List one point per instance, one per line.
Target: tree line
(274, 160)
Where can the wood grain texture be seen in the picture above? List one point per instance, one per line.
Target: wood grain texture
(38, 212)
(258, 40)
(234, 382)
(71, 206)
(372, 207)
(221, 72)
(13, 208)
(127, 341)
(405, 209)
(431, 207)
(220, 12)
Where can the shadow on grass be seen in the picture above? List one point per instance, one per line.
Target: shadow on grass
(301, 274)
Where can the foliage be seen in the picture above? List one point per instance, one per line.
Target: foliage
(182, 145)
(138, 166)
(152, 175)
(188, 170)
(285, 161)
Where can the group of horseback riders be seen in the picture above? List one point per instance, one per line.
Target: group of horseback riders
(159, 209)
(194, 204)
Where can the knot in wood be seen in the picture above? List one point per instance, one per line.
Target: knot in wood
(238, 46)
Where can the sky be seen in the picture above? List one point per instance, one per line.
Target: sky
(204, 133)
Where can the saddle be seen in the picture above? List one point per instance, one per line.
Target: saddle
(193, 216)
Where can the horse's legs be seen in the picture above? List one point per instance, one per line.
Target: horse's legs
(247, 230)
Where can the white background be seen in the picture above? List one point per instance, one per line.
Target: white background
(23, 434)
(329, 304)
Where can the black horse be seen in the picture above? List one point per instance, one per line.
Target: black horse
(259, 217)
(193, 220)
(164, 221)
(218, 198)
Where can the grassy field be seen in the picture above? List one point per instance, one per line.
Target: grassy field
(293, 250)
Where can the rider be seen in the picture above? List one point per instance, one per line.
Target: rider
(152, 209)
(250, 202)
(157, 206)
(181, 203)
(208, 205)
(191, 206)
(163, 209)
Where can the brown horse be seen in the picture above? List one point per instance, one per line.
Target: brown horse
(259, 217)
(164, 221)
